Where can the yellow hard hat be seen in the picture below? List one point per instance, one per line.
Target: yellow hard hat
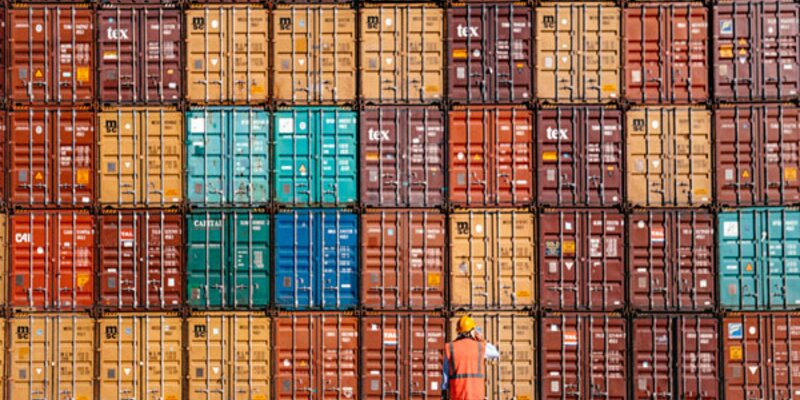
(465, 324)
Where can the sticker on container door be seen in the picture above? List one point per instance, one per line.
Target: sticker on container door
(390, 337)
(570, 338)
(657, 235)
(285, 125)
(730, 228)
(735, 330)
(726, 27)
(197, 125)
(736, 353)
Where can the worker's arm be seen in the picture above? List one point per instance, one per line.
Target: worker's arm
(491, 352)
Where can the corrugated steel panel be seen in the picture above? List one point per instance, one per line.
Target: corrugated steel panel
(402, 157)
(402, 258)
(316, 263)
(402, 53)
(491, 157)
(668, 157)
(492, 259)
(228, 156)
(229, 258)
(314, 54)
(315, 156)
(4, 277)
(759, 258)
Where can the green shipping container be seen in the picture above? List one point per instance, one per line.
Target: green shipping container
(228, 259)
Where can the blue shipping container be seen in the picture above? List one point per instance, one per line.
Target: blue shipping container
(316, 263)
(227, 156)
(759, 259)
(315, 156)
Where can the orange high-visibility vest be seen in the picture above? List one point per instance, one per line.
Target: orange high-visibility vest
(467, 375)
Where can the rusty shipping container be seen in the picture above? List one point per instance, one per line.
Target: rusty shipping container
(402, 53)
(141, 262)
(577, 52)
(229, 356)
(51, 357)
(513, 376)
(756, 50)
(665, 53)
(141, 157)
(402, 356)
(584, 356)
(490, 157)
(668, 157)
(490, 53)
(402, 157)
(757, 155)
(140, 356)
(52, 157)
(314, 54)
(52, 260)
(579, 161)
(582, 260)
(51, 54)
(761, 356)
(675, 357)
(671, 263)
(227, 54)
(316, 356)
(492, 259)
(402, 258)
(140, 51)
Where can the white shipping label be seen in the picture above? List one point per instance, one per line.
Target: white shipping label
(285, 125)
(197, 124)
(730, 228)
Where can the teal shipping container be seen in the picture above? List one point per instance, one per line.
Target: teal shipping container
(227, 151)
(759, 253)
(315, 156)
(228, 259)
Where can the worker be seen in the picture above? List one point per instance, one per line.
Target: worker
(464, 373)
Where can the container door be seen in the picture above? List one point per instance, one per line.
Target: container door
(248, 173)
(247, 28)
(31, 374)
(512, 260)
(424, 253)
(249, 281)
(162, 45)
(119, 255)
(470, 156)
(337, 255)
(337, 357)
(248, 358)
(207, 153)
(206, 54)
(162, 154)
(296, 357)
(72, 358)
(295, 165)
(382, 356)
(209, 357)
(739, 268)
(383, 259)
(74, 269)
(206, 259)
(161, 358)
(424, 141)
(161, 242)
(120, 348)
(470, 251)
(424, 337)
(119, 47)
(780, 257)
(295, 259)
(120, 168)
(338, 153)
(73, 159)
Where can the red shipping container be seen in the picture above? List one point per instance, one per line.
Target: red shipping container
(402, 356)
(671, 261)
(52, 260)
(141, 260)
(51, 54)
(580, 156)
(491, 157)
(52, 154)
(316, 356)
(582, 260)
(402, 259)
(584, 357)
(675, 357)
(762, 356)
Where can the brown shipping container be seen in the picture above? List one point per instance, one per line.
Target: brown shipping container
(314, 54)
(402, 157)
(580, 156)
(3, 66)
(140, 54)
(402, 53)
(577, 52)
(140, 357)
(668, 157)
(761, 356)
(491, 157)
(52, 154)
(665, 53)
(756, 50)
(582, 260)
(52, 357)
(671, 261)
(316, 356)
(402, 259)
(513, 376)
(52, 260)
(229, 356)
(757, 155)
(584, 356)
(490, 53)
(141, 260)
(4, 242)
(402, 356)
(51, 54)
(492, 259)
(141, 157)
(675, 357)
(226, 54)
